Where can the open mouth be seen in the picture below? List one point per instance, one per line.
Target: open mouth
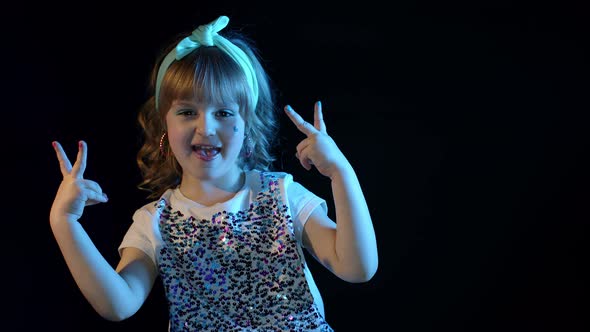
(206, 151)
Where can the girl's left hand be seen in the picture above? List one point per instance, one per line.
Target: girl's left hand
(318, 148)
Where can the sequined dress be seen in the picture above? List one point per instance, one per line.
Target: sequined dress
(237, 265)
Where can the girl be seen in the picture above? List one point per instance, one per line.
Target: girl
(224, 233)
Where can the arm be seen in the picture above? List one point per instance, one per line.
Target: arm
(115, 294)
(348, 247)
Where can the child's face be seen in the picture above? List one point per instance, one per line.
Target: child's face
(206, 138)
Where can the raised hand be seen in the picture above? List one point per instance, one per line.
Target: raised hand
(74, 192)
(318, 148)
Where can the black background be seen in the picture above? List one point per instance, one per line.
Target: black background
(467, 126)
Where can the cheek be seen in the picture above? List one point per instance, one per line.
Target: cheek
(176, 136)
(234, 130)
(233, 138)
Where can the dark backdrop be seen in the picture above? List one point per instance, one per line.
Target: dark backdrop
(467, 125)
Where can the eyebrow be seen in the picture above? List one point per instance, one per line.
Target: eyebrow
(183, 103)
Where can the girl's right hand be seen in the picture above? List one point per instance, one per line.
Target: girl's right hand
(74, 192)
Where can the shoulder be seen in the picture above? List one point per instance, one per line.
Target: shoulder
(151, 208)
(257, 174)
(264, 179)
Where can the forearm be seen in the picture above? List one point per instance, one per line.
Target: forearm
(100, 284)
(355, 242)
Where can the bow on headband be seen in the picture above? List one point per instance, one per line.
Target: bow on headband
(207, 35)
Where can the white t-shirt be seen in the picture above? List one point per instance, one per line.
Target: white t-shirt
(236, 265)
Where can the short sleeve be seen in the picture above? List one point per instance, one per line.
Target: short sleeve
(140, 234)
(302, 202)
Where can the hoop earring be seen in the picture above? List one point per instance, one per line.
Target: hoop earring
(162, 144)
(248, 146)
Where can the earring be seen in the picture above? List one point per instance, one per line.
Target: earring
(162, 144)
(248, 146)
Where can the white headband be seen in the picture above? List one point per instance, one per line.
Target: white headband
(207, 35)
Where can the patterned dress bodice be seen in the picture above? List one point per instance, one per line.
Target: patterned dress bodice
(236, 270)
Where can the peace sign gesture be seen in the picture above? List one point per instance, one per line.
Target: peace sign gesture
(318, 148)
(74, 192)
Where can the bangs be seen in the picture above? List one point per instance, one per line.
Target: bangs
(207, 75)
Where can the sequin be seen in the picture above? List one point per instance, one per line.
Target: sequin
(239, 270)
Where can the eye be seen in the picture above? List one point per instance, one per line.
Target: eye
(186, 112)
(224, 113)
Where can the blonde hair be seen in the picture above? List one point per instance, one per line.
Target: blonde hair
(206, 74)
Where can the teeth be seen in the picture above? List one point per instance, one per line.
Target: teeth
(204, 147)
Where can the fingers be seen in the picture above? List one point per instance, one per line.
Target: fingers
(301, 124)
(94, 197)
(318, 117)
(305, 162)
(302, 154)
(80, 164)
(92, 186)
(318, 127)
(92, 192)
(64, 163)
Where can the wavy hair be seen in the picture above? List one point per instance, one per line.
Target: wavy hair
(206, 74)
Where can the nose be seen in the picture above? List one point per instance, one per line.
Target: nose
(205, 126)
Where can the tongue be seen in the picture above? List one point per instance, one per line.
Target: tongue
(207, 152)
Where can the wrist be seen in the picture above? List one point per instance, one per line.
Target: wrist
(341, 171)
(60, 220)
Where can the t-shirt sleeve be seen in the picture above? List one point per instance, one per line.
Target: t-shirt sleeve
(302, 202)
(140, 234)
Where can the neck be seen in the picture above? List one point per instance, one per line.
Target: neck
(211, 191)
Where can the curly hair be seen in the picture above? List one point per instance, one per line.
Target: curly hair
(206, 74)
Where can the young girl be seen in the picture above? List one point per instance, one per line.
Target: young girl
(224, 233)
